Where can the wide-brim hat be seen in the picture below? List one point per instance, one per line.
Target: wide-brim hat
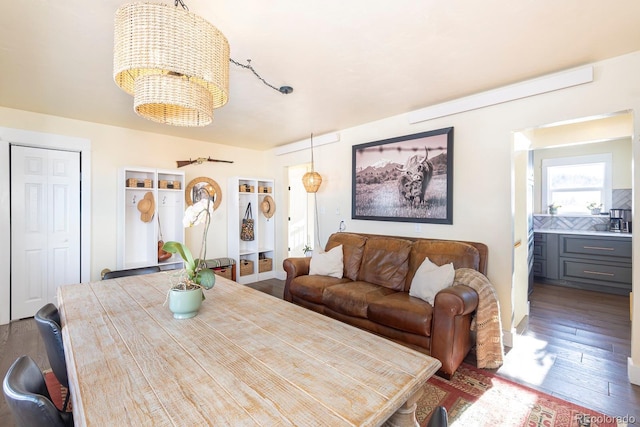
(147, 207)
(268, 206)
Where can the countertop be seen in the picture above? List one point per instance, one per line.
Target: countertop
(583, 232)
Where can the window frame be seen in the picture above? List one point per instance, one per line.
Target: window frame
(606, 158)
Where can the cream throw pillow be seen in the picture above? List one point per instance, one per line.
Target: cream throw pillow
(431, 279)
(327, 263)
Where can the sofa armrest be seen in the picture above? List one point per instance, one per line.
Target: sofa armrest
(451, 328)
(294, 267)
(457, 300)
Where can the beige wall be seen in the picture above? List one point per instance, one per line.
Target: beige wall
(483, 165)
(113, 148)
(483, 168)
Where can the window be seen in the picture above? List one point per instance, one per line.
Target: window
(575, 182)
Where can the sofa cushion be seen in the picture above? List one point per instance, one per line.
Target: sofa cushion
(385, 262)
(403, 312)
(462, 255)
(353, 298)
(311, 288)
(431, 279)
(327, 263)
(352, 249)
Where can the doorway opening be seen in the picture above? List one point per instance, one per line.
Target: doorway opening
(610, 134)
(302, 206)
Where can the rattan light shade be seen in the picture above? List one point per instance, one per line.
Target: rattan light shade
(311, 181)
(174, 63)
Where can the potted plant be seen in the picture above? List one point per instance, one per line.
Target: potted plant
(553, 208)
(307, 250)
(595, 208)
(186, 296)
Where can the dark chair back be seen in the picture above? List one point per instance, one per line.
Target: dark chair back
(439, 417)
(48, 321)
(131, 272)
(28, 398)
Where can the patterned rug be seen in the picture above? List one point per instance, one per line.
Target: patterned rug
(476, 397)
(473, 397)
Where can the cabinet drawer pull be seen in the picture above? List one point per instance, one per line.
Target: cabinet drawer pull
(598, 248)
(599, 273)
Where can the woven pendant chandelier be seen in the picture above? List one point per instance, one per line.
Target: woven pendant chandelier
(311, 180)
(173, 62)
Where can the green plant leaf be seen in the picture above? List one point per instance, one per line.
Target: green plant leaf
(206, 278)
(185, 253)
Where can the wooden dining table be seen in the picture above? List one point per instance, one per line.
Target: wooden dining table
(247, 358)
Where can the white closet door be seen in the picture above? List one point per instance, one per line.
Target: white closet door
(45, 226)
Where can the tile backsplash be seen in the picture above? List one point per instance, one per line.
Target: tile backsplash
(620, 199)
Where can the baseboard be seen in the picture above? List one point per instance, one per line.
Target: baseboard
(508, 337)
(633, 371)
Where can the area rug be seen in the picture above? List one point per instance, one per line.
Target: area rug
(476, 397)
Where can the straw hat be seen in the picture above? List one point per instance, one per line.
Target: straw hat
(268, 206)
(147, 207)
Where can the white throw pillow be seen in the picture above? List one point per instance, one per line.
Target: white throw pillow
(431, 279)
(327, 263)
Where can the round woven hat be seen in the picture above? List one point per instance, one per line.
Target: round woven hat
(268, 206)
(147, 207)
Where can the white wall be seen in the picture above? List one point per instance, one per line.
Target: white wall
(483, 154)
(113, 148)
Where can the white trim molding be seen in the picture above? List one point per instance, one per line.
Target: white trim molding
(327, 138)
(548, 83)
(633, 371)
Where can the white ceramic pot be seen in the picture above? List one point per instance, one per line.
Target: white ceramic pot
(185, 304)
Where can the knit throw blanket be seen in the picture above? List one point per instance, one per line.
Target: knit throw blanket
(486, 322)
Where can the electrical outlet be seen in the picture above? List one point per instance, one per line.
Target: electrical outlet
(338, 211)
(418, 228)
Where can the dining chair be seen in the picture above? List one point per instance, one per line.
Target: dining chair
(48, 321)
(439, 417)
(28, 399)
(131, 272)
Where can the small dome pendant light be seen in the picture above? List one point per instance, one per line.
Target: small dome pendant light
(311, 180)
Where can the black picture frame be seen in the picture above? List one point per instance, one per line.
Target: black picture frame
(407, 178)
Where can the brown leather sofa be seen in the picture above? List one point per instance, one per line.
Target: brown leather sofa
(373, 293)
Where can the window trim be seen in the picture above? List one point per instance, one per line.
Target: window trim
(606, 158)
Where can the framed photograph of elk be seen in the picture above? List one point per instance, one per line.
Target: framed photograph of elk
(408, 178)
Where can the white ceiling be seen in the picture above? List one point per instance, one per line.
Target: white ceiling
(349, 62)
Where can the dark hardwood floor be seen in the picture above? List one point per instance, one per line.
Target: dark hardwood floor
(574, 345)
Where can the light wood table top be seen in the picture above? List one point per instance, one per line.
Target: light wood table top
(247, 358)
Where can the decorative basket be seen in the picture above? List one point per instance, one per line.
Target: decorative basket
(223, 272)
(163, 183)
(246, 188)
(265, 264)
(246, 267)
(140, 183)
(262, 189)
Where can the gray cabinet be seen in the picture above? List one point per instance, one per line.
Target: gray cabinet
(545, 255)
(592, 262)
(602, 262)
